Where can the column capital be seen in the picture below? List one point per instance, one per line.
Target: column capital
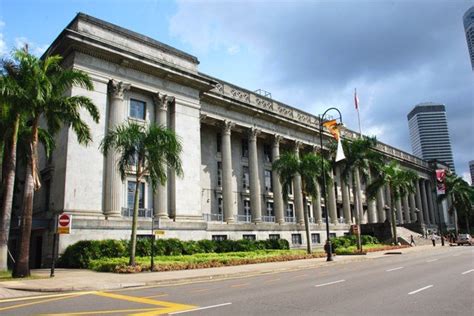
(297, 146)
(227, 126)
(162, 101)
(117, 88)
(276, 140)
(253, 133)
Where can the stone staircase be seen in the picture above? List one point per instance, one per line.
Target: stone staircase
(403, 235)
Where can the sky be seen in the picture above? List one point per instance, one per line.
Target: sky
(308, 54)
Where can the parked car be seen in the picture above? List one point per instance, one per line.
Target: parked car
(465, 239)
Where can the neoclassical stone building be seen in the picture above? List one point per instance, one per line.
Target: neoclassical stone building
(230, 137)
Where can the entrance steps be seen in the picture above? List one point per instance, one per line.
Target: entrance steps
(404, 234)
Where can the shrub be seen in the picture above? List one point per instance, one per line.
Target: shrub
(79, 254)
(207, 246)
(173, 247)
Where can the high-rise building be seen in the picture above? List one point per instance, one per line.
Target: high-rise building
(468, 20)
(429, 134)
(471, 169)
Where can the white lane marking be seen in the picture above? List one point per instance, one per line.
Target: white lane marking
(468, 271)
(200, 308)
(329, 283)
(394, 269)
(419, 290)
(432, 260)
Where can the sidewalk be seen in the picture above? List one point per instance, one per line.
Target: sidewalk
(66, 280)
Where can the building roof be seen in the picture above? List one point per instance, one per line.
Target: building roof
(426, 107)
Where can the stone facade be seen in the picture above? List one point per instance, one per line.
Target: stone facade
(230, 137)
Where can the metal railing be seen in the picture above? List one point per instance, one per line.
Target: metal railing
(213, 217)
(341, 220)
(142, 212)
(268, 219)
(290, 219)
(244, 218)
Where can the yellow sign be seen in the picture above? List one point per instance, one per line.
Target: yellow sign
(159, 232)
(64, 223)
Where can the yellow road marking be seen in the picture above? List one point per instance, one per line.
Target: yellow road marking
(158, 295)
(40, 302)
(240, 285)
(29, 298)
(103, 312)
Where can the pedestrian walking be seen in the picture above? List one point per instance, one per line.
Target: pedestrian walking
(412, 241)
(433, 239)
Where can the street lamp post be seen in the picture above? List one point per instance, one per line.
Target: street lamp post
(325, 195)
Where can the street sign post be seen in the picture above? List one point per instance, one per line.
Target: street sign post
(64, 224)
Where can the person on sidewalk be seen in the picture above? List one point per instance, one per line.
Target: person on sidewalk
(433, 239)
(412, 241)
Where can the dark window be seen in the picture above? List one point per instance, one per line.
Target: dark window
(131, 194)
(268, 180)
(332, 235)
(219, 142)
(219, 237)
(270, 209)
(245, 148)
(137, 109)
(249, 237)
(274, 236)
(267, 153)
(219, 174)
(219, 205)
(296, 239)
(315, 238)
(245, 178)
(290, 189)
(289, 210)
(247, 210)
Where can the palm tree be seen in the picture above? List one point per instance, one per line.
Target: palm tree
(309, 167)
(461, 195)
(401, 183)
(46, 83)
(361, 158)
(147, 152)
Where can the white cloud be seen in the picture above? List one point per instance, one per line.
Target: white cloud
(34, 48)
(232, 50)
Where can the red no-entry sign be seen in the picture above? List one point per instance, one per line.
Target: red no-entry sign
(64, 223)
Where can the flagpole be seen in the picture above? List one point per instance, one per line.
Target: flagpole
(356, 100)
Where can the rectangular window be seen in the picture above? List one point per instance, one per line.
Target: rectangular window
(247, 210)
(137, 109)
(290, 189)
(268, 180)
(274, 236)
(245, 178)
(219, 142)
(267, 153)
(249, 237)
(219, 174)
(270, 209)
(131, 194)
(219, 205)
(245, 147)
(289, 210)
(315, 238)
(219, 237)
(296, 239)
(332, 235)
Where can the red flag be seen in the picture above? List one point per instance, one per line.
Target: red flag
(356, 100)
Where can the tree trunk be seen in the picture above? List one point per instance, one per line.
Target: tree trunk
(133, 238)
(392, 216)
(22, 267)
(306, 224)
(8, 182)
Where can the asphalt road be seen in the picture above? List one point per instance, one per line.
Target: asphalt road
(438, 282)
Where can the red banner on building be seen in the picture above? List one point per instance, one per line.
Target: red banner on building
(440, 181)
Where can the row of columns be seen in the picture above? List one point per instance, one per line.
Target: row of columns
(376, 209)
(113, 182)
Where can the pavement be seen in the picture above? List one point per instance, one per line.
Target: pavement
(68, 280)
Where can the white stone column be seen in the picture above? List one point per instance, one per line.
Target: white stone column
(277, 190)
(358, 195)
(226, 151)
(113, 181)
(419, 203)
(297, 191)
(255, 200)
(412, 203)
(388, 202)
(346, 201)
(331, 203)
(431, 202)
(424, 201)
(371, 204)
(160, 197)
(398, 204)
(380, 205)
(406, 209)
(317, 213)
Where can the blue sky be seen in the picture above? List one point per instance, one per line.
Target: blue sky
(308, 54)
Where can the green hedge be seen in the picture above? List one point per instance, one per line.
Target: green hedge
(80, 254)
(351, 240)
